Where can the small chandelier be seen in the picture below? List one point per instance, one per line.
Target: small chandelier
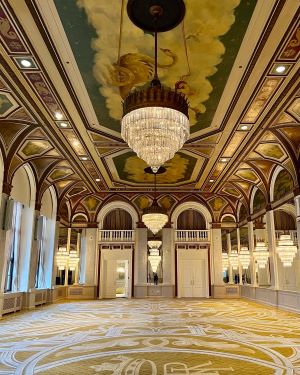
(73, 260)
(286, 250)
(261, 254)
(225, 262)
(154, 243)
(62, 258)
(155, 217)
(154, 259)
(244, 257)
(155, 121)
(234, 259)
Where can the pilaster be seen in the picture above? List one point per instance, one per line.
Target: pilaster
(251, 245)
(272, 249)
(216, 255)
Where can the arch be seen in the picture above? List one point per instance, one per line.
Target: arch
(114, 205)
(24, 186)
(279, 170)
(80, 214)
(191, 220)
(49, 203)
(289, 208)
(228, 215)
(255, 191)
(194, 206)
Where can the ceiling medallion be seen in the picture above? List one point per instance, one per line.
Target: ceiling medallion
(155, 217)
(155, 121)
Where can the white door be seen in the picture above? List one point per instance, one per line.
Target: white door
(110, 266)
(192, 273)
(113, 282)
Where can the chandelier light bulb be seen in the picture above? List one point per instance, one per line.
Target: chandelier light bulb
(286, 250)
(244, 257)
(261, 254)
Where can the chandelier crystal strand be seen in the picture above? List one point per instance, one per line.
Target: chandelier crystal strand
(261, 254)
(62, 258)
(286, 250)
(73, 260)
(244, 257)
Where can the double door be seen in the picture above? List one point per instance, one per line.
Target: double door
(192, 277)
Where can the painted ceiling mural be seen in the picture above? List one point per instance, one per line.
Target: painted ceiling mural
(114, 56)
(199, 65)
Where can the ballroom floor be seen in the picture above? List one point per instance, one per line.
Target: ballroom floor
(170, 337)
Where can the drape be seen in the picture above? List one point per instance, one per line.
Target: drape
(16, 243)
(191, 220)
(42, 242)
(117, 219)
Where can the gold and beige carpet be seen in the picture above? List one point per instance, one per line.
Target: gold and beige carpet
(149, 337)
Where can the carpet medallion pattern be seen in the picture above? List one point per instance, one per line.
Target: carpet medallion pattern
(151, 337)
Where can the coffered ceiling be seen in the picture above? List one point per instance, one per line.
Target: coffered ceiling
(62, 113)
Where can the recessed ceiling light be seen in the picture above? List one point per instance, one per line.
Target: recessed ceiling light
(224, 160)
(26, 63)
(75, 143)
(280, 69)
(63, 125)
(58, 115)
(244, 127)
(98, 179)
(211, 180)
(84, 158)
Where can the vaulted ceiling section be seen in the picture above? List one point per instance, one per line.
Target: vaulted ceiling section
(62, 113)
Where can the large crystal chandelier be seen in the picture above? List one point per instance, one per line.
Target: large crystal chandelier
(154, 243)
(244, 257)
(286, 250)
(155, 120)
(155, 217)
(261, 254)
(73, 260)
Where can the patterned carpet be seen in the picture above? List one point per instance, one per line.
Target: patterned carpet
(143, 337)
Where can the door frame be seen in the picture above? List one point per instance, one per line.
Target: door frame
(115, 254)
(193, 252)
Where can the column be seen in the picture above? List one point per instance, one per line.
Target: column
(216, 255)
(272, 249)
(90, 271)
(68, 251)
(297, 260)
(140, 262)
(168, 258)
(78, 254)
(34, 248)
(251, 244)
(56, 244)
(238, 239)
(229, 252)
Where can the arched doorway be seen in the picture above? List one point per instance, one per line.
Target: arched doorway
(192, 250)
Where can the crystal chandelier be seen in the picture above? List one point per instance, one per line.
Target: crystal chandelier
(261, 254)
(244, 257)
(154, 217)
(154, 259)
(234, 259)
(225, 262)
(154, 243)
(155, 120)
(73, 260)
(286, 250)
(62, 258)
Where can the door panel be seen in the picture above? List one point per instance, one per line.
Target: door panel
(110, 278)
(199, 279)
(187, 287)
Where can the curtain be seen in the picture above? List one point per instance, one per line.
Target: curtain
(190, 220)
(16, 244)
(284, 221)
(117, 219)
(42, 242)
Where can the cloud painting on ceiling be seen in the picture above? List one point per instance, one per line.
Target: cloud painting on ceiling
(196, 57)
